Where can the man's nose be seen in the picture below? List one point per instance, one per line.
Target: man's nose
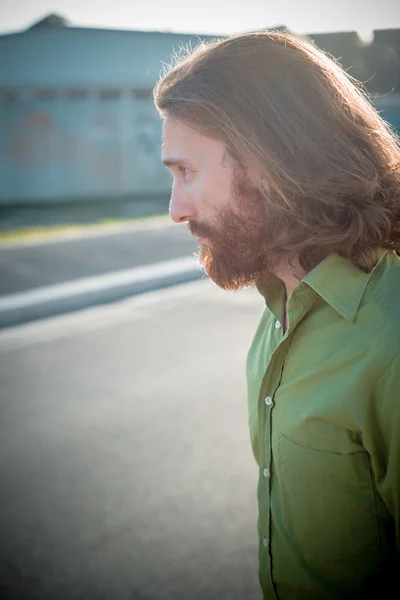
(181, 208)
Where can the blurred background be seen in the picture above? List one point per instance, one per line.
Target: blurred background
(125, 464)
(80, 136)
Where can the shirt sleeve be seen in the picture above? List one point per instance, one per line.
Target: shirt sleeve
(384, 439)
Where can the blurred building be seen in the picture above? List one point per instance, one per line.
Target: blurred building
(76, 114)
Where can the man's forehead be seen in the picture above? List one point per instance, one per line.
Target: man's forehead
(179, 139)
(174, 130)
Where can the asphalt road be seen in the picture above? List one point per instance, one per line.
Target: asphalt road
(29, 267)
(125, 462)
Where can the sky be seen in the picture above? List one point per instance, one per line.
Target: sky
(209, 16)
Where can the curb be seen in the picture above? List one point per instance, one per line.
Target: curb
(52, 300)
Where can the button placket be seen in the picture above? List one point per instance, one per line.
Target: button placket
(266, 480)
(270, 383)
(265, 473)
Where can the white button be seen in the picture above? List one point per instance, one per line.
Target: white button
(265, 542)
(268, 400)
(266, 472)
(278, 325)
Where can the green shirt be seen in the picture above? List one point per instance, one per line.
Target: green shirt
(324, 415)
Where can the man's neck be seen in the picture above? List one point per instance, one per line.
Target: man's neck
(290, 280)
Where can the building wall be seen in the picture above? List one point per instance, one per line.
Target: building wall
(76, 116)
(90, 144)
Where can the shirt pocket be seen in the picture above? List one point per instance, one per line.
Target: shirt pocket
(328, 502)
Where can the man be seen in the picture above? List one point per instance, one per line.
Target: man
(291, 181)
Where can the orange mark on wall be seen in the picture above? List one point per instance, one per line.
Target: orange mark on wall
(29, 139)
(34, 140)
(41, 120)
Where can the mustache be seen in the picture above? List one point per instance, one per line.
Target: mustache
(200, 229)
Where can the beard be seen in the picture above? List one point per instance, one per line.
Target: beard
(239, 236)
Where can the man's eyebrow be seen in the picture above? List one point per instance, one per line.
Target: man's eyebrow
(173, 162)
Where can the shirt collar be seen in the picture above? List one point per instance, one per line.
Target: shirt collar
(340, 283)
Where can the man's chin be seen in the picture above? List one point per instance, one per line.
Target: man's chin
(231, 284)
(225, 278)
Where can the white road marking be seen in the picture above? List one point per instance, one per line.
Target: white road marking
(97, 283)
(130, 309)
(99, 317)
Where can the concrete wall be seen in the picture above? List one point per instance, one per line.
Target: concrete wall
(92, 145)
(76, 116)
